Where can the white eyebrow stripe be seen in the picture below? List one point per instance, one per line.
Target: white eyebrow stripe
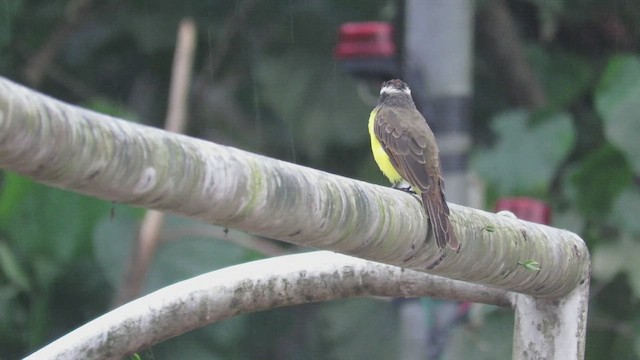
(392, 90)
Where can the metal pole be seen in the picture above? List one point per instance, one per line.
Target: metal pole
(437, 66)
(551, 329)
(438, 58)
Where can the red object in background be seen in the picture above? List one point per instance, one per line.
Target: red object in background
(365, 39)
(526, 208)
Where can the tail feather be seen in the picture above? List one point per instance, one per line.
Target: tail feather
(438, 212)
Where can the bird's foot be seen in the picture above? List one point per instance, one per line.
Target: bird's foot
(404, 186)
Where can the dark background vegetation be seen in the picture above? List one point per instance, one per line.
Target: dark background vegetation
(265, 81)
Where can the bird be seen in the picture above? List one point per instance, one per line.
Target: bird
(406, 152)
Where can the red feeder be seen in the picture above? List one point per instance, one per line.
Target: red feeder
(526, 208)
(368, 50)
(366, 39)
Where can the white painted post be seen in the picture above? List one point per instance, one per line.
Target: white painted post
(551, 329)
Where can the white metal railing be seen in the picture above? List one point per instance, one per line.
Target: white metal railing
(79, 150)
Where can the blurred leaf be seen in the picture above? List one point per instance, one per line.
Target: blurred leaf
(319, 105)
(48, 227)
(198, 344)
(494, 340)
(341, 329)
(13, 319)
(525, 157)
(197, 248)
(568, 219)
(80, 294)
(12, 269)
(548, 13)
(350, 332)
(554, 6)
(8, 10)
(625, 210)
(565, 76)
(45, 230)
(598, 180)
(14, 189)
(636, 341)
(113, 242)
(624, 346)
(618, 103)
(193, 254)
(153, 30)
(614, 338)
(227, 339)
(82, 45)
(611, 258)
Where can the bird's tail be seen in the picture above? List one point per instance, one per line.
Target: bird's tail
(438, 212)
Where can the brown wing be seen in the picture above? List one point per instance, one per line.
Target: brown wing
(410, 144)
(405, 137)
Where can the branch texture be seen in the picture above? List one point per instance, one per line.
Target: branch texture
(76, 149)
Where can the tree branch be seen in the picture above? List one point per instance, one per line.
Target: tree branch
(509, 56)
(258, 244)
(77, 13)
(76, 149)
(256, 286)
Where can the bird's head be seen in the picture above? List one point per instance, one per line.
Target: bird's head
(395, 90)
(395, 86)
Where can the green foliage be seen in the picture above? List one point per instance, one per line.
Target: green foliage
(617, 101)
(541, 146)
(342, 329)
(9, 11)
(489, 228)
(491, 339)
(597, 181)
(17, 277)
(193, 249)
(113, 239)
(319, 107)
(565, 76)
(624, 214)
(44, 243)
(530, 265)
(613, 258)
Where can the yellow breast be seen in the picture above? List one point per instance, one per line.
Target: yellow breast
(380, 156)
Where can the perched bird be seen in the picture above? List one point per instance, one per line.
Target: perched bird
(405, 149)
